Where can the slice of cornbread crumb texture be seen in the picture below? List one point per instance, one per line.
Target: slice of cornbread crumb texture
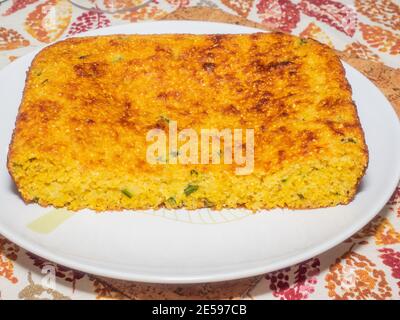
(80, 135)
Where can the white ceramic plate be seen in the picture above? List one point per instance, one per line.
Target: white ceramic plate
(187, 247)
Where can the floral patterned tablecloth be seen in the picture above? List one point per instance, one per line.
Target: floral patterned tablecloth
(366, 266)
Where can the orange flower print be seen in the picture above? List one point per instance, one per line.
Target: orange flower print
(49, 20)
(383, 40)
(381, 229)
(7, 269)
(11, 39)
(385, 12)
(122, 4)
(8, 254)
(105, 292)
(18, 5)
(315, 32)
(148, 12)
(361, 51)
(179, 3)
(12, 58)
(386, 234)
(354, 276)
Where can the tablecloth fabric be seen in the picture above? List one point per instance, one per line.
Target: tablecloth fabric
(367, 266)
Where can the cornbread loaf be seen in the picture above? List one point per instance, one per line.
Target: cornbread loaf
(80, 139)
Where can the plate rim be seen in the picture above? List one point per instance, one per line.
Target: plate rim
(216, 276)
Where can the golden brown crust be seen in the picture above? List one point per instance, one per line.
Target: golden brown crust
(82, 94)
